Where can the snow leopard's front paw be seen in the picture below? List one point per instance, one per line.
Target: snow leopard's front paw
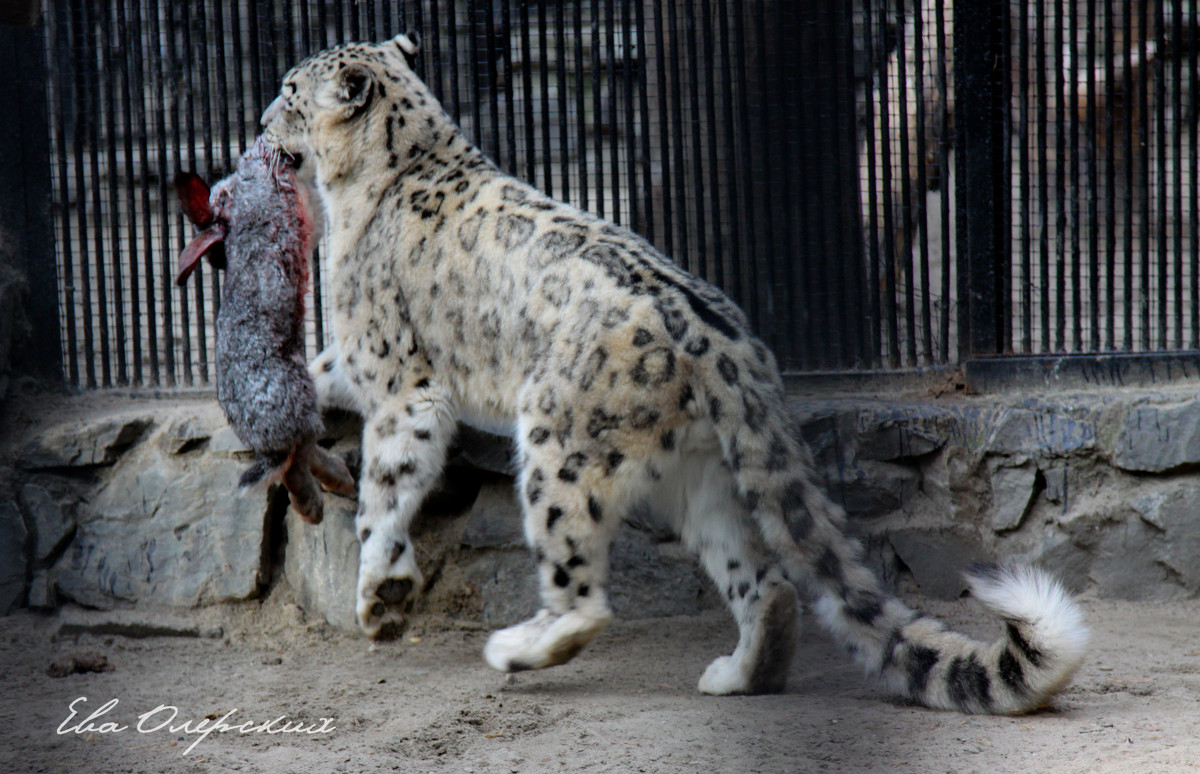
(388, 583)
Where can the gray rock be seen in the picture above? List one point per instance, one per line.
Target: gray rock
(1172, 511)
(186, 433)
(1126, 564)
(869, 489)
(937, 559)
(649, 579)
(1069, 562)
(12, 556)
(1156, 438)
(49, 522)
(321, 563)
(1044, 432)
(42, 593)
(892, 440)
(1057, 490)
(495, 519)
(1012, 492)
(506, 581)
(167, 530)
(96, 440)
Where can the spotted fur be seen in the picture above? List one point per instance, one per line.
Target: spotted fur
(460, 292)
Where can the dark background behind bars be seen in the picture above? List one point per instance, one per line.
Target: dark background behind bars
(810, 157)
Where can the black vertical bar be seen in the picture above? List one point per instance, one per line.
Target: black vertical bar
(1194, 178)
(1127, 133)
(176, 72)
(473, 54)
(1027, 282)
(527, 95)
(142, 77)
(734, 209)
(873, 70)
(544, 59)
(84, 133)
(948, 247)
(1071, 74)
(694, 71)
(238, 61)
(1177, 102)
(492, 80)
(1065, 123)
(582, 200)
(906, 194)
(846, 257)
(1160, 110)
(612, 130)
(99, 249)
(683, 254)
(922, 183)
(62, 69)
(631, 136)
(560, 34)
(26, 189)
(1143, 185)
(597, 108)
(647, 121)
(1043, 143)
(119, 333)
(435, 45)
(768, 283)
(983, 184)
(888, 269)
(510, 108)
(1110, 176)
(186, 81)
(719, 212)
(159, 107)
(1093, 182)
(664, 129)
(817, 288)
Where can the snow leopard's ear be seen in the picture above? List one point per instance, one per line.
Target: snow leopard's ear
(409, 44)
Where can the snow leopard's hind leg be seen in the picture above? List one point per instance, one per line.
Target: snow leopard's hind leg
(701, 500)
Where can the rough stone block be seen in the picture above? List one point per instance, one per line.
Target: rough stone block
(937, 559)
(12, 556)
(1157, 438)
(495, 518)
(321, 563)
(1044, 432)
(1012, 491)
(168, 530)
(98, 440)
(890, 440)
(49, 522)
(868, 489)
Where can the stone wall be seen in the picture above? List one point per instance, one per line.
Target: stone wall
(112, 503)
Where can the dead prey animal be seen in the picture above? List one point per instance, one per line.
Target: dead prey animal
(257, 226)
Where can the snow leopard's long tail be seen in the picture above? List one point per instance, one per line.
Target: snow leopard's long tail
(916, 656)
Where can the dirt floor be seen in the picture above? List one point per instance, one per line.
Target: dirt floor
(428, 703)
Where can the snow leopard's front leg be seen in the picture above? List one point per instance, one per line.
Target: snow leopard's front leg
(404, 450)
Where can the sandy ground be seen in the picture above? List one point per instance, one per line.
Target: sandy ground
(428, 703)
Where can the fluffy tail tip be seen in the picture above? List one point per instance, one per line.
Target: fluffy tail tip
(1036, 602)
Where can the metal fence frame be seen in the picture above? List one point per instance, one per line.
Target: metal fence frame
(730, 206)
